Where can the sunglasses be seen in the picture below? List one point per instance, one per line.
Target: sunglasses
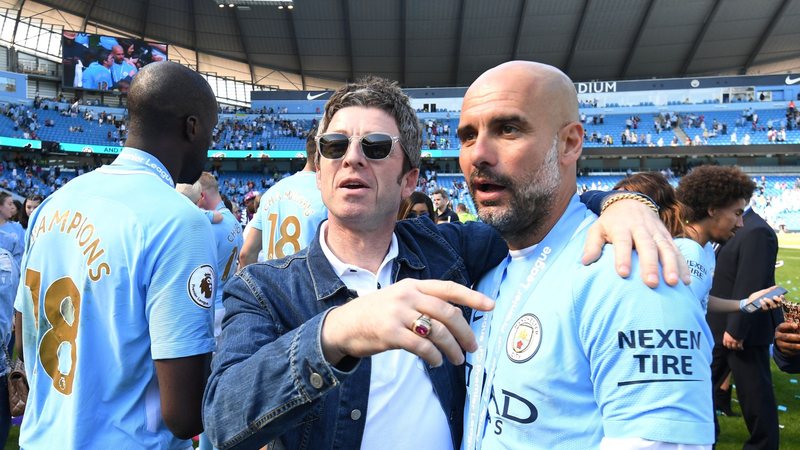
(373, 145)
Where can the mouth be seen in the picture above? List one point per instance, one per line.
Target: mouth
(353, 184)
(488, 187)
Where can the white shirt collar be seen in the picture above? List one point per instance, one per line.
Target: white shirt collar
(341, 268)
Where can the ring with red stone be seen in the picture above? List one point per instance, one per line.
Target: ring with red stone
(422, 326)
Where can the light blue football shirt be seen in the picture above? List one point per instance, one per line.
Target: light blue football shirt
(289, 214)
(589, 354)
(228, 236)
(118, 272)
(18, 247)
(96, 76)
(701, 262)
(9, 280)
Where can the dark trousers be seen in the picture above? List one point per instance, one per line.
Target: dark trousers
(751, 372)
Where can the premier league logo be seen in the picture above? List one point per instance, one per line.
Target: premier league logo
(201, 286)
(524, 338)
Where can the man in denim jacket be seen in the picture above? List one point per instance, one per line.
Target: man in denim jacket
(309, 341)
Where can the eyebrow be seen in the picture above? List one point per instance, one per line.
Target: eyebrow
(499, 120)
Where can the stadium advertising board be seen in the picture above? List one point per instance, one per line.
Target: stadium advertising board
(20, 143)
(105, 63)
(318, 98)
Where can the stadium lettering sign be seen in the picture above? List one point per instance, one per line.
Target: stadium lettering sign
(596, 87)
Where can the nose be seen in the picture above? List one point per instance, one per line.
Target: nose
(354, 155)
(739, 222)
(482, 152)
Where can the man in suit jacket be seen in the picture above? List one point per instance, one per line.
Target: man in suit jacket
(745, 264)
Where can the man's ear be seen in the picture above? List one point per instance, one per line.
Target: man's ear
(571, 135)
(191, 128)
(408, 182)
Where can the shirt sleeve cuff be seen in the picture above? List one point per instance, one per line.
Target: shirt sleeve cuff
(311, 371)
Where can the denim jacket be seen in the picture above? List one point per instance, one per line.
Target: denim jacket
(269, 377)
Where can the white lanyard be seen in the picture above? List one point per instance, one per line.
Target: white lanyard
(480, 389)
(141, 162)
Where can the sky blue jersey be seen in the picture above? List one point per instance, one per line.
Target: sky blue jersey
(18, 247)
(228, 236)
(96, 76)
(289, 214)
(701, 262)
(117, 273)
(587, 354)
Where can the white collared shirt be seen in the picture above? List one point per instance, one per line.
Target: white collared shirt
(403, 410)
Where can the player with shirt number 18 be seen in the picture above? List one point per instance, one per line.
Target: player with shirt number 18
(288, 214)
(118, 284)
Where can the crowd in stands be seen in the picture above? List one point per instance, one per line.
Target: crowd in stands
(688, 129)
(259, 132)
(24, 120)
(26, 177)
(266, 129)
(777, 198)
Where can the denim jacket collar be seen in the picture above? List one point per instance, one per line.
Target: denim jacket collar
(327, 283)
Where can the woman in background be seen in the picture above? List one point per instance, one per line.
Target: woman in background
(416, 205)
(30, 205)
(713, 216)
(8, 212)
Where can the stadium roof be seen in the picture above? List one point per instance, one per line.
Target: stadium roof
(449, 42)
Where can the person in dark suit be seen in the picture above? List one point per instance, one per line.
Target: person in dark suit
(787, 347)
(746, 263)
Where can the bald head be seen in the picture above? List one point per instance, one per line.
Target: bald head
(542, 85)
(520, 138)
(165, 93)
(172, 112)
(119, 54)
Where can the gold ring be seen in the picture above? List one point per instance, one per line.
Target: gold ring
(422, 326)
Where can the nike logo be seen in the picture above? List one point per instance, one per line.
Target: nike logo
(314, 97)
(791, 81)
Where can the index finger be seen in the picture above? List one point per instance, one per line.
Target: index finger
(455, 293)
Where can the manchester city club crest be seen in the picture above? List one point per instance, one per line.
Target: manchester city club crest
(524, 338)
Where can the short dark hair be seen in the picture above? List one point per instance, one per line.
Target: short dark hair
(102, 56)
(712, 187)
(443, 193)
